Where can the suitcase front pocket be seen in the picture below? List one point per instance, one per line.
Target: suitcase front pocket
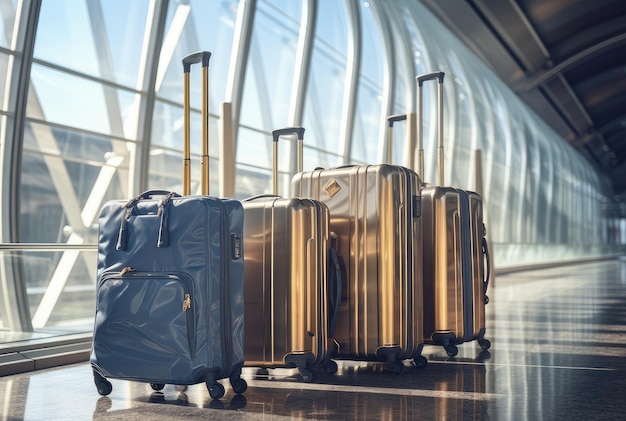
(145, 324)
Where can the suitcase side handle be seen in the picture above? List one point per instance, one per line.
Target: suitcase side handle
(202, 57)
(420, 130)
(276, 134)
(487, 269)
(336, 286)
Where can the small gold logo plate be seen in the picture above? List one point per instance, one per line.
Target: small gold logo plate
(332, 188)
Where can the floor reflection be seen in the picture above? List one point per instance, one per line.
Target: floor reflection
(558, 348)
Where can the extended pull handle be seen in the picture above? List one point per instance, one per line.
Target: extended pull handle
(202, 57)
(420, 129)
(276, 134)
(390, 120)
(410, 147)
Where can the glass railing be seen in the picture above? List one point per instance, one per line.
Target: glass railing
(48, 290)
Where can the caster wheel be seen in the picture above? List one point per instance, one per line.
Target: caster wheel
(420, 361)
(452, 350)
(484, 344)
(397, 367)
(486, 300)
(104, 387)
(261, 374)
(331, 367)
(308, 375)
(216, 390)
(239, 385)
(157, 386)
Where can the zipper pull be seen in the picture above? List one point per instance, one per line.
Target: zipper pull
(126, 270)
(187, 302)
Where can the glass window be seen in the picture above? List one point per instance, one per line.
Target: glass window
(62, 98)
(192, 26)
(458, 124)
(269, 75)
(8, 13)
(102, 38)
(327, 78)
(168, 126)
(4, 82)
(367, 142)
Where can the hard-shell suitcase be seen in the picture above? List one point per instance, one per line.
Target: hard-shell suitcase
(375, 213)
(170, 284)
(290, 288)
(456, 257)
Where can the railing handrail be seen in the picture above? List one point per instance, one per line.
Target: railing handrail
(47, 246)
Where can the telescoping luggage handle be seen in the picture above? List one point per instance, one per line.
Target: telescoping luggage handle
(276, 134)
(410, 146)
(202, 57)
(420, 117)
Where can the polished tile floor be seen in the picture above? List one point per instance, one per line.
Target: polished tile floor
(558, 353)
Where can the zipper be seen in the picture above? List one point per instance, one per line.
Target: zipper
(226, 322)
(186, 283)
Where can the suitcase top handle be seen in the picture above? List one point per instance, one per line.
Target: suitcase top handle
(202, 57)
(396, 117)
(430, 76)
(197, 57)
(276, 134)
(298, 131)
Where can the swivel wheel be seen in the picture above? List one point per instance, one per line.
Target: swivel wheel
(216, 390)
(103, 386)
(330, 367)
(451, 350)
(308, 375)
(420, 361)
(484, 344)
(397, 367)
(157, 386)
(239, 385)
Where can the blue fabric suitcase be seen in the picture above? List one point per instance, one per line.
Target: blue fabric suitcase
(170, 287)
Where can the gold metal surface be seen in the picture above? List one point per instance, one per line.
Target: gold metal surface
(442, 271)
(372, 221)
(204, 168)
(442, 300)
(186, 138)
(285, 280)
(227, 153)
(332, 188)
(478, 263)
(187, 302)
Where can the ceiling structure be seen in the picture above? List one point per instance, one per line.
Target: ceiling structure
(565, 58)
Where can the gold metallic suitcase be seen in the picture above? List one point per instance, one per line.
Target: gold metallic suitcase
(375, 213)
(287, 280)
(456, 257)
